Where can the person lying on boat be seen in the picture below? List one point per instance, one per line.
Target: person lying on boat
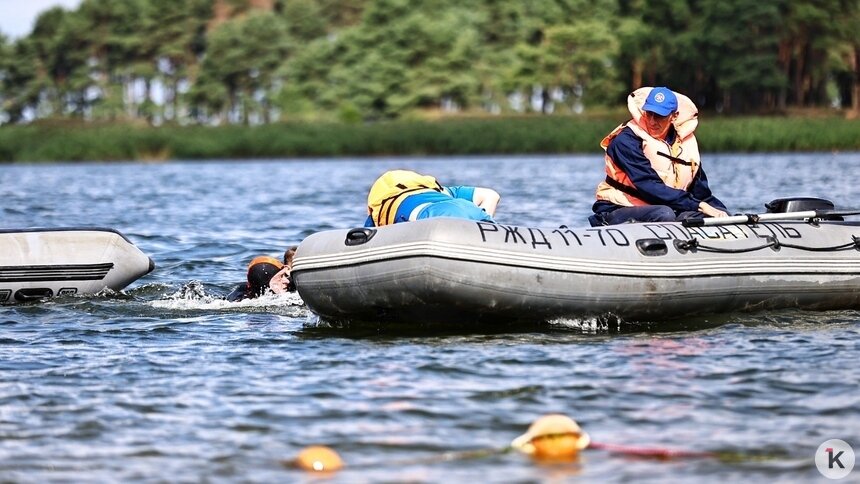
(265, 274)
(403, 196)
(653, 169)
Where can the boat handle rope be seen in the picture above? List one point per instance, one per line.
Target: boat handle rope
(694, 245)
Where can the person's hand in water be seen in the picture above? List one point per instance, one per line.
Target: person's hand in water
(280, 282)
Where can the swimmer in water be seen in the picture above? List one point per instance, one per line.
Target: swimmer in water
(266, 274)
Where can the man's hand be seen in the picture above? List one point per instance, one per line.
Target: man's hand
(710, 211)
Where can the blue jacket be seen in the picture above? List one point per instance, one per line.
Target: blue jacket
(626, 151)
(453, 202)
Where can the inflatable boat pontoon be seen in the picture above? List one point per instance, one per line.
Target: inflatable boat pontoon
(42, 263)
(456, 271)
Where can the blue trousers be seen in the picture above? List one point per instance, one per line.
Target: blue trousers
(647, 213)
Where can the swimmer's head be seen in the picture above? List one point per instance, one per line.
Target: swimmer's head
(260, 272)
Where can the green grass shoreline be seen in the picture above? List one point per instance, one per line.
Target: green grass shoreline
(453, 136)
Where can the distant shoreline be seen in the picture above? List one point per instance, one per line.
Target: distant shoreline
(68, 141)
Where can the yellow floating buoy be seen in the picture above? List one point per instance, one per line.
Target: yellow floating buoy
(552, 437)
(318, 458)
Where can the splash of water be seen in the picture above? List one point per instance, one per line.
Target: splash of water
(589, 325)
(193, 296)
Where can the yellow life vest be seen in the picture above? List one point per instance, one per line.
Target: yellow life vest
(390, 189)
(675, 164)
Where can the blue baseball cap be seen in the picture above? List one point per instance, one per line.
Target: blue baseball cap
(662, 101)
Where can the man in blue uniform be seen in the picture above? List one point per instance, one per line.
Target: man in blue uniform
(653, 168)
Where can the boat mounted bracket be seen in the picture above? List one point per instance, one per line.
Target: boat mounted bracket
(652, 247)
(359, 236)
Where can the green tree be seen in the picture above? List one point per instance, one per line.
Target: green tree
(60, 48)
(5, 59)
(847, 56)
(738, 55)
(242, 58)
(120, 52)
(341, 13)
(807, 34)
(397, 59)
(305, 20)
(579, 59)
(375, 59)
(20, 83)
(178, 39)
(560, 57)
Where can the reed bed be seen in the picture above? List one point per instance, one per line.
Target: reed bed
(458, 136)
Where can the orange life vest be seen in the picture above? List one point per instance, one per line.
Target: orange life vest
(390, 189)
(676, 164)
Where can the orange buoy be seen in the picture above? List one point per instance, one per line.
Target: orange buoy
(318, 458)
(552, 437)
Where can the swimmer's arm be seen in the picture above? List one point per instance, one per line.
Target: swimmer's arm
(486, 198)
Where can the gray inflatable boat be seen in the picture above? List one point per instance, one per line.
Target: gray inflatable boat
(41, 263)
(454, 271)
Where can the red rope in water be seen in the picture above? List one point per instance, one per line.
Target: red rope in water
(651, 452)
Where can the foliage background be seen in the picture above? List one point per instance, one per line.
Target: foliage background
(217, 62)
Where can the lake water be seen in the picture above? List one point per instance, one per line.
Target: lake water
(167, 383)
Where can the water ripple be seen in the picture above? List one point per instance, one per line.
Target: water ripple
(166, 381)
